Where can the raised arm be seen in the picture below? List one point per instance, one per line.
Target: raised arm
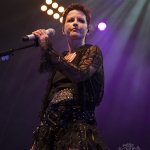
(90, 63)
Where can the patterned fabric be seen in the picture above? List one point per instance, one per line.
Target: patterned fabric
(74, 135)
(70, 125)
(63, 95)
(87, 73)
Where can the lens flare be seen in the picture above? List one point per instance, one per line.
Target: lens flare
(44, 8)
(61, 9)
(48, 2)
(56, 15)
(102, 26)
(50, 12)
(61, 19)
(54, 5)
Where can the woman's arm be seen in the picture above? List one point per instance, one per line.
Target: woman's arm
(91, 62)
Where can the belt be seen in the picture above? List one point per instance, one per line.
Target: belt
(63, 95)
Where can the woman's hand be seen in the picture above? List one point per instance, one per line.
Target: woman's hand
(41, 35)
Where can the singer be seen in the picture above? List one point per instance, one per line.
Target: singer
(75, 87)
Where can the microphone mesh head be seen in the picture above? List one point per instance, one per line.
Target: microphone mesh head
(50, 32)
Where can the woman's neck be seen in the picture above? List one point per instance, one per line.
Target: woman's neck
(73, 45)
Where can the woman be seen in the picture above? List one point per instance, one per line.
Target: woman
(75, 88)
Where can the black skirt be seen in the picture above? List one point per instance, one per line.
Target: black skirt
(67, 127)
(75, 135)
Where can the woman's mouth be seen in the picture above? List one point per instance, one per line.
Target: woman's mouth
(75, 29)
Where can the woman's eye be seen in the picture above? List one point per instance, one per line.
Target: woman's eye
(81, 20)
(70, 20)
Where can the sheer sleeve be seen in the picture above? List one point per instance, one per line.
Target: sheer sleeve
(90, 63)
(45, 65)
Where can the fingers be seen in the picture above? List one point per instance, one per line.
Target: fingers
(40, 34)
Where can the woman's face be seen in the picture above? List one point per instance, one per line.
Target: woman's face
(75, 26)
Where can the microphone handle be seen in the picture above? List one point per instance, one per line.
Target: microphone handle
(32, 37)
(29, 37)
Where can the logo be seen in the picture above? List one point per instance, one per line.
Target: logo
(129, 146)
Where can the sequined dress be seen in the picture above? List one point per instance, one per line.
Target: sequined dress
(74, 90)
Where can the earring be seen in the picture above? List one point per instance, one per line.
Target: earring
(63, 32)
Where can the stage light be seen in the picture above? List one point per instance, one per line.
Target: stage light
(61, 9)
(3, 58)
(48, 2)
(56, 15)
(101, 26)
(54, 8)
(44, 8)
(54, 5)
(50, 12)
(61, 19)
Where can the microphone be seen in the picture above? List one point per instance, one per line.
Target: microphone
(30, 37)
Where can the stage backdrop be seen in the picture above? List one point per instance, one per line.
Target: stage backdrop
(123, 116)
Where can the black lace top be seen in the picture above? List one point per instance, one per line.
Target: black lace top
(85, 72)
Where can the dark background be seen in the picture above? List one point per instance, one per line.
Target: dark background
(123, 116)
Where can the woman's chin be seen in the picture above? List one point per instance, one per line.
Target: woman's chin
(76, 36)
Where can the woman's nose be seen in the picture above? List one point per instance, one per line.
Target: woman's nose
(75, 23)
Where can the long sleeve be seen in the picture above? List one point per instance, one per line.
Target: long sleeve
(90, 63)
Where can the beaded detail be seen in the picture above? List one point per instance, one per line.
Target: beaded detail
(65, 94)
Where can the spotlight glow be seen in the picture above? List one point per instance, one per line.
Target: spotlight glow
(102, 26)
(56, 15)
(3, 58)
(48, 2)
(54, 11)
(50, 12)
(61, 19)
(43, 8)
(54, 5)
(61, 9)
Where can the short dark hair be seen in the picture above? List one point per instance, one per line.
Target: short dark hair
(80, 7)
